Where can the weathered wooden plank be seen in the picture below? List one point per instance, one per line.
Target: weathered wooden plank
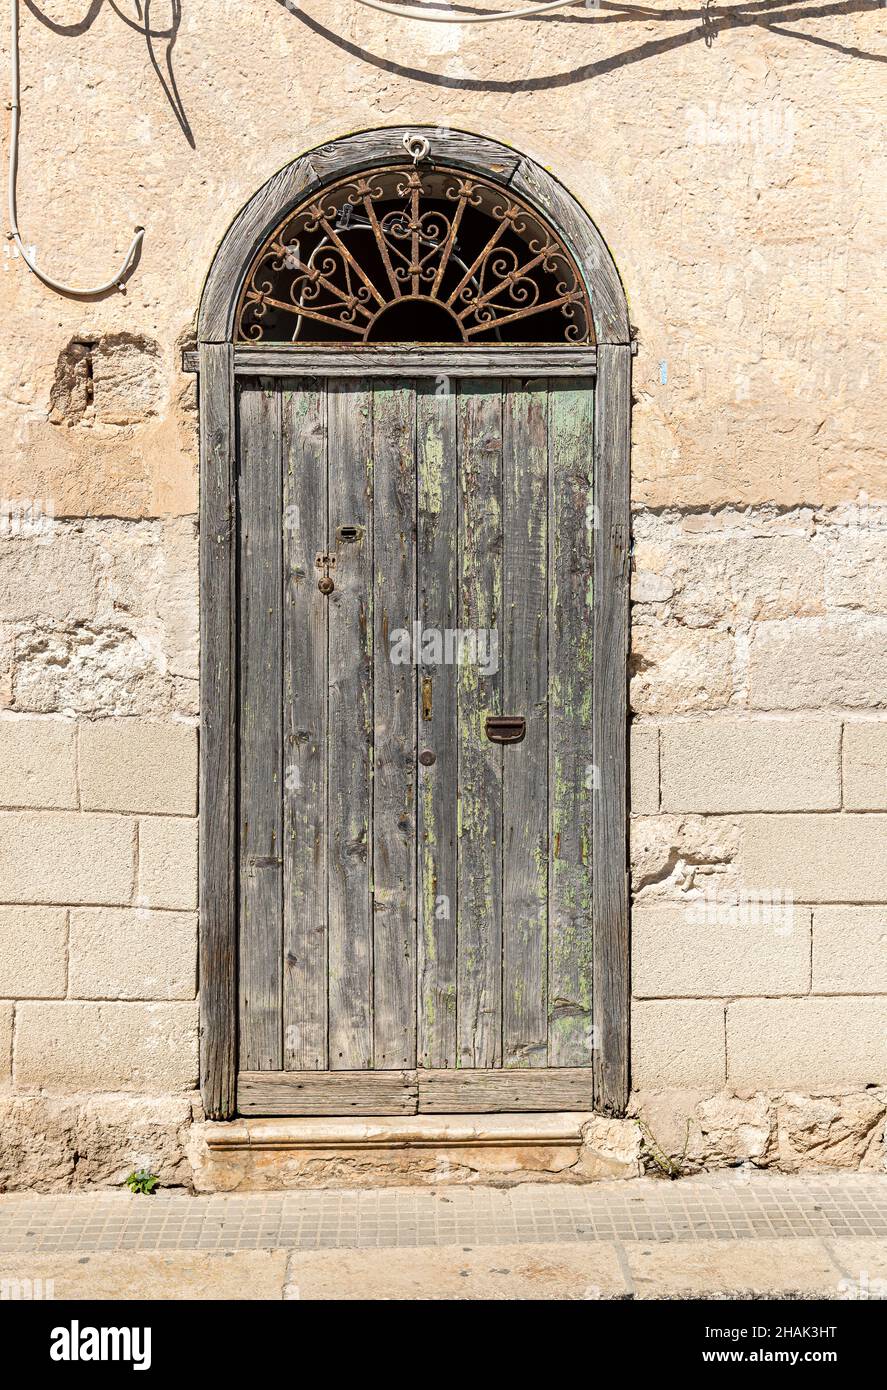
(611, 577)
(487, 1090)
(572, 776)
(368, 147)
(524, 661)
(240, 243)
(350, 411)
(479, 1001)
(218, 735)
(304, 520)
(394, 697)
(327, 1093)
(374, 360)
(438, 784)
(260, 727)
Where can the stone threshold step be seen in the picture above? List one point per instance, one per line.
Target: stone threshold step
(348, 1151)
(415, 1131)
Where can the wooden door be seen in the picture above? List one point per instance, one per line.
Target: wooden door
(415, 562)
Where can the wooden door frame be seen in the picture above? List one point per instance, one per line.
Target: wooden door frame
(219, 362)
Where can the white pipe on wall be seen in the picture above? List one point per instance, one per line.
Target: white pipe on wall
(86, 292)
(405, 12)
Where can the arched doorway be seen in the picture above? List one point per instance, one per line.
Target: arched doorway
(414, 399)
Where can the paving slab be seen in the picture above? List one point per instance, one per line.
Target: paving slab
(539, 1272)
(864, 1265)
(732, 1269)
(242, 1274)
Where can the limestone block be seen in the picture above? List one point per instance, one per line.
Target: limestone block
(118, 1134)
(610, 1149)
(32, 952)
(50, 576)
(128, 379)
(55, 1143)
(138, 765)
(865, 766)
(38, 1142)
(751, 765)
(151, 572)
(850, 950)
(6, 1022)
(677, 1043)
(831, 1132)
(736, 1128)
(141, 1276)
(644, 761)
(66, 857)
(665, 1114)
(167, 862)
(807, 1044)
(682, 856)
(856, 565)
(136, 652)
(39, 762)
(817, 662)
(262, 1155)
(727, 567)
(713, 950)
(104, 670)
(675, 670)
(729, 1270)
(132, 954)
(71, 1046)
(739, 579)
(539, 1271)
(818, 858)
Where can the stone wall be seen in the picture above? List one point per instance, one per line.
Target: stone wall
(759, 793)
(734, 170)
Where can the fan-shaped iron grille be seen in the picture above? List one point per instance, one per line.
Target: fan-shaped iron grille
(414, 254)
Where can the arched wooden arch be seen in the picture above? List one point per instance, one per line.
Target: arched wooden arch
(219, 359)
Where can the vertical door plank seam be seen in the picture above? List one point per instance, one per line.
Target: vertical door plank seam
(350, 674)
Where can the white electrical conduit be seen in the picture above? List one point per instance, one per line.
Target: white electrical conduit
(407, 12)
(116, 281)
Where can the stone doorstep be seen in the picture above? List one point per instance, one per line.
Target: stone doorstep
(344, 1151)
(414, 1131)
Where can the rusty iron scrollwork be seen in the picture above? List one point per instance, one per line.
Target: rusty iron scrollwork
(408, 253)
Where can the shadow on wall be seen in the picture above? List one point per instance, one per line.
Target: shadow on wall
(707, 21)
(160, 41)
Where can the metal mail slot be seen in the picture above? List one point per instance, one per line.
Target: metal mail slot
(505, 728)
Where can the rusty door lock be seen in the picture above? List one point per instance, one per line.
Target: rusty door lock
(326, 563)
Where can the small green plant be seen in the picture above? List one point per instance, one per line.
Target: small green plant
(652, 1151)
(142, 1181)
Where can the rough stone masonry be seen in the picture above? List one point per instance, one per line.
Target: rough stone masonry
(736, 170)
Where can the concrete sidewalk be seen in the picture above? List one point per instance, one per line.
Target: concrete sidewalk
(733, 1235)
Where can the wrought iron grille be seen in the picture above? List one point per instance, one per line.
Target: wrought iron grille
(414, 254)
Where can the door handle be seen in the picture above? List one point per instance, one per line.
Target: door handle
(505, 728)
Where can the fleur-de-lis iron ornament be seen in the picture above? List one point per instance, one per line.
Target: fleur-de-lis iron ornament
(414, 253)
